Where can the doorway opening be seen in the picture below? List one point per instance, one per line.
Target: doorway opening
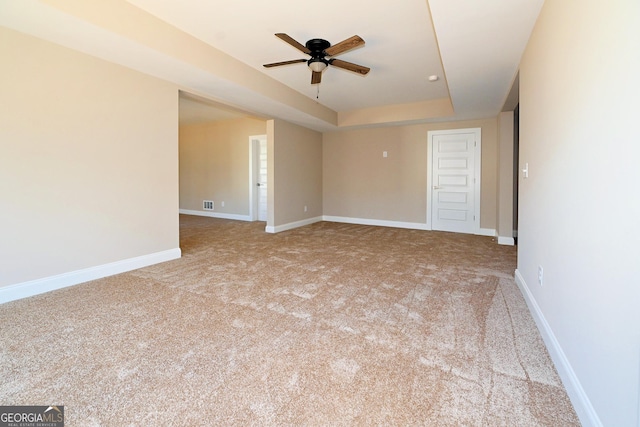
(516, 169)
(258, 177)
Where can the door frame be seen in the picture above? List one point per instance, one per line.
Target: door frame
(477, 172)
(254, 163)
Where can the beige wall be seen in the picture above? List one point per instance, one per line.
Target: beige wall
(579, 210)
(359, 183)
(214, 164)
(88, 163)
(295, 173)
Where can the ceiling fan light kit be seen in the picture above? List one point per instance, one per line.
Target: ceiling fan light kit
(319, 50)
(317, 64)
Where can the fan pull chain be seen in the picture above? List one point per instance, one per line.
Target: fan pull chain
(318, 91)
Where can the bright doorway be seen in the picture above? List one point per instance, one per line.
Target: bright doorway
(258, 177)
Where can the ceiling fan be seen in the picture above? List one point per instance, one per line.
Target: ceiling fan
(319, 50)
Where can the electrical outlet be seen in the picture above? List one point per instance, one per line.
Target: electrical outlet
(222, 204)
(305, 208)
(540, 274)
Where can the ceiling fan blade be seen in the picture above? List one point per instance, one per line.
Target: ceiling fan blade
(349, 66)
(316, 77)
(345, 45)
(277, 64)
(294, 43)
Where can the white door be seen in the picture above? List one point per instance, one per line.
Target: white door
(262, 181)
(258, 177)
(454, 184)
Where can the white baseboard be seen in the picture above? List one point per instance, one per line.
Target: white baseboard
(292, 225)
(51, 283)
(509, 241)
(490, 232)
(581, 403)
(376, 222)
(366, 221)
(221, 215)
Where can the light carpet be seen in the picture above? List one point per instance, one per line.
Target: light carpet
(328, 324)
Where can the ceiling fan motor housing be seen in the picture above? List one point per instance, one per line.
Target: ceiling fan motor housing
(317, 63)
(317, 47)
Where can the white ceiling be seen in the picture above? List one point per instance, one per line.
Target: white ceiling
(400, 46)
(473, 46)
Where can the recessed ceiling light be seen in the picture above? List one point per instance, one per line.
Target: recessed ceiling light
(433, 78)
